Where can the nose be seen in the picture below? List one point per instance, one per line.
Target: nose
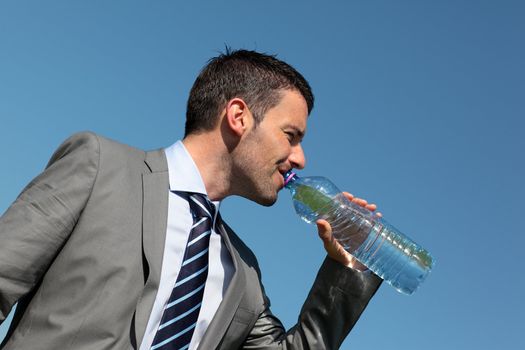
(297, 158)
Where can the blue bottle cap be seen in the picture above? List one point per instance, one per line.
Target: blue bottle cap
(289, 176)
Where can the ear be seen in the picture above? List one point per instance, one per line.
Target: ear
(238, 116)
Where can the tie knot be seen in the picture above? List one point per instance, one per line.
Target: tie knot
(201, 206)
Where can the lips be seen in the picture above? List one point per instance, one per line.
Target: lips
(279, 179)
(282, 172)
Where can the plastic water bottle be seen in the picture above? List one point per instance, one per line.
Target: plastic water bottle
(370, 239)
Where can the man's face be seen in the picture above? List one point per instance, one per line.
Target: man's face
(271, 148)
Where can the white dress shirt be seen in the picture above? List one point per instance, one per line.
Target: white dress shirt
(185, 177)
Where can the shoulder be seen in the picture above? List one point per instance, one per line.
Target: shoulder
(83, 142)
(93, 140)
(91, 144)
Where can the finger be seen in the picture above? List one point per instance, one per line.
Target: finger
(348, 195)
(371, 207)
(359, 201)
(330, 243)
(334, 249)
(325, 230)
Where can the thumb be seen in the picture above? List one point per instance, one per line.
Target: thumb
(334, 249)
(325, 231)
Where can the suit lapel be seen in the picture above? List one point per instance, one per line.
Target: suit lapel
(224, 315)
(154, 222)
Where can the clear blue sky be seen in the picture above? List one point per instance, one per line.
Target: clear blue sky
(420, 108)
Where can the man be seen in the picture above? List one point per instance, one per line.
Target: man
(105, 249)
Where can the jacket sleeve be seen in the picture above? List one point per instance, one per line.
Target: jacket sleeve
(38, 223)
(335, 302)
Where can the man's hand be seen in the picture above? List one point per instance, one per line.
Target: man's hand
(333, 248)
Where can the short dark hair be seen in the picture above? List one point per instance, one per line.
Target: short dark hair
(255, 77)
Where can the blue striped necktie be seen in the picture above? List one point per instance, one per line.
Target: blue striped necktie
(182, 311)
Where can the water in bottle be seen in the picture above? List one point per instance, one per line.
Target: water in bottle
(370, 239)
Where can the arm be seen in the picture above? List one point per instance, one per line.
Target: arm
(38, 223)
(335, 302)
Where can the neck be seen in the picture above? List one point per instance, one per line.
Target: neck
(211, 157)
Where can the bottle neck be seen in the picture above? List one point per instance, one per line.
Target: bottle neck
(289, 178)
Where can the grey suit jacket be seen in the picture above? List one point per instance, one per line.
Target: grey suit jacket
(81, 252)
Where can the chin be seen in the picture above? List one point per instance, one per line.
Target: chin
(266, 201)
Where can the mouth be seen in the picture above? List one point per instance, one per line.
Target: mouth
(282, 172)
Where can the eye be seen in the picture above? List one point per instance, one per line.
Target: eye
(290, 136)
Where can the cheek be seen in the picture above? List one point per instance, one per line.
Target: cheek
(273, 147)
(279, 151)
(286, 148)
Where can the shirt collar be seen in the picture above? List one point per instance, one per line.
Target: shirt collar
(184, 176)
